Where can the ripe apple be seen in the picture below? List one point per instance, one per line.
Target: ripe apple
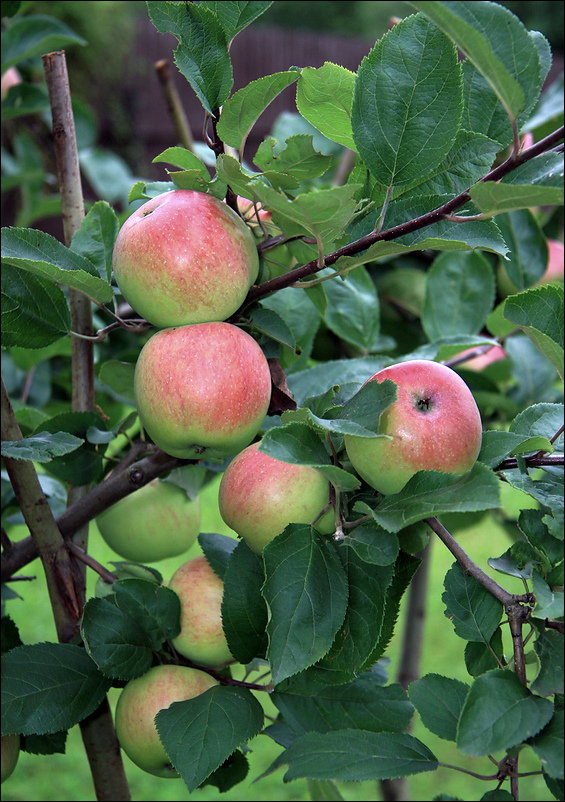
(10, 754)
(139, 703)
(478, 363)
(155, 522)
(184, 257)
(434, 425)
(247, 210)
(200, 387)
(200, 591)
(260, 495)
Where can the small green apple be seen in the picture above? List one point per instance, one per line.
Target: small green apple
(185, 257)
(155, 522)
(260, 495)
(139, 703)
(205, 387)
(434, 425)
(200, 591)
(10, 754)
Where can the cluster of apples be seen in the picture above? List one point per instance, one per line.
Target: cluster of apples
(185, 261)
(201, 640)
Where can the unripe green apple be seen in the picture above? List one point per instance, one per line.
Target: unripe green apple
(206, 386)
(200, 591)
(155, 522)
(184, 257)
(139, 703)
(10, 754)
(260, 495)
(434, 425)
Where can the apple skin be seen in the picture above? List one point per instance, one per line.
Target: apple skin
(200, 591)
(434, 425)
(184, 257)
(202, 387)
(260, 495)
(10, 754)
(139, 703)
(153, 523)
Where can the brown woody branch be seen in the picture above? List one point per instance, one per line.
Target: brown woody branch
(441, 213)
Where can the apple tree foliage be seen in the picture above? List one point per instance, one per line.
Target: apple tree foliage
(400, 196)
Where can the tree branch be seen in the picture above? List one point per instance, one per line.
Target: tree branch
(353, 248)
(119, 484)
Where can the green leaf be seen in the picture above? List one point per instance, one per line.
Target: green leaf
(430, 493)
(474, 611)
(202, 54)
(536, 183)
(268, 322)
(49, 687)
(188, 162)
(244, 612)
(155, 609)
(299, 158)
(96, 237)
(444, 234)
(358, 636)
(539, 312)
(527, 261)
(549, 649)
(324, 97)
(360, 415)
(468, 160)
(482, 657)
(200, 734)
(302, 573)
(483, 112)
(371, 542)
(32, 36)
(114, 641)
(498, 445)
(45, 257)
(499, 713)
(439, 700)
(217, 549)
(357, 755)
(408, 102)
(235, 16)
(35, 312)
(548, 746)
(296, 443)
(85, 463)
(41, 447)
(363, 704)
(353, 308)
(460, 291)
(497, 43)
(241, 111)
(119, 377)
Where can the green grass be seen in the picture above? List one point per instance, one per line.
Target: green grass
(67, 777)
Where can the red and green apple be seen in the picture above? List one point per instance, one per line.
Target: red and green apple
(434, 425)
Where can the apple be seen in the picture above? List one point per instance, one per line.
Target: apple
(202, 388)
(247, 210)
(139, 703)
(434, 425)
(10, 754)
(185, 257)
(478, 363)
(260, 495)
(200, 591)
(155, 522)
